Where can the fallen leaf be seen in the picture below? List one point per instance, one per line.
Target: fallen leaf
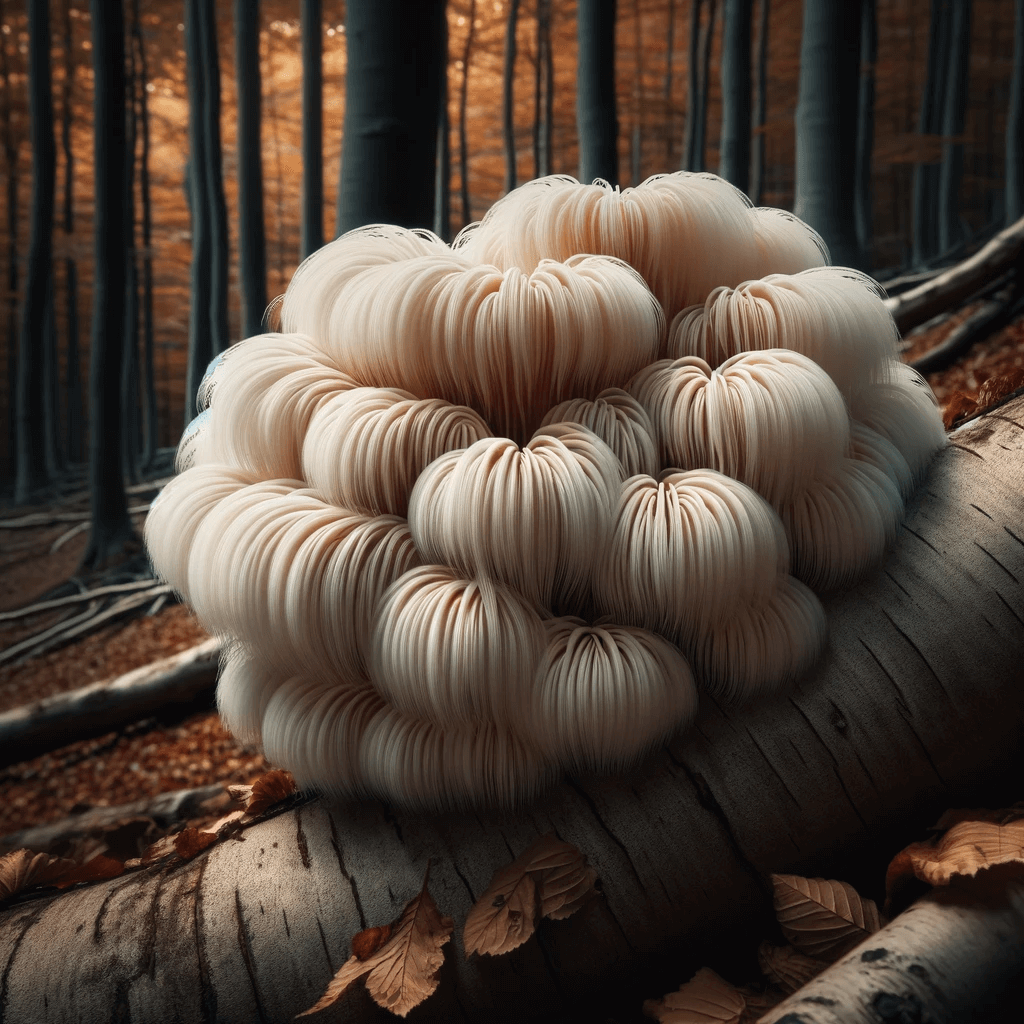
(959, 407)
(403, 971)
(758, 1004)
(704, 999)
(967, 848)
(22, 869)
(270, 788)
(787, 967)
(369, 940)
(954, 816)
(65, 872)
(999, 386)
(548, 879)
(822, 918)
(190, 842)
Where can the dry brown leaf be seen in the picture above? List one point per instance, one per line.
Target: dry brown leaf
(550, 879)
(999, 386)
(403, 971)
(758, 1003)
(1002, 816)
(190, 842)
(959, 407)
(704, 999)
(270, 788)
(64, 873)
(967, 848)
(787, 967)
(22, 869)
(369, 940)
(823, 918)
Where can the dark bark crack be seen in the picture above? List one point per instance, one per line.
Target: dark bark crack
(245, 948)
(344, 872)
(588, 800)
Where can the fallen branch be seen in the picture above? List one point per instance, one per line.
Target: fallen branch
(953, 285)
(85, 595)
(24, 647)
(992, 314)
(165, 809)
(35, 519)
(946, 960)
(103, 707)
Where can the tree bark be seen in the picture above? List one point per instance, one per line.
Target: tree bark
(826, 126)
(865, 128)
(252, 243)
(1015, 123)
(130, 445)
(200, 339)
(926, 179)
(508, 106)
(392, 85)
(76, 412)
(757, 163)
(467, 211)
(11, 169)
(150, 426)
(914, 708)
(219, 252)
(734, 147)
(954, 116)
(596, 118)
(443, 169)
(692, 86)
(636, 141)
(707, 39)
(311, 22)
(543, 96)
(111, 534)
(670, 45)
(33, 470)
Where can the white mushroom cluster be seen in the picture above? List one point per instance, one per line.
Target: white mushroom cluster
(486, 512)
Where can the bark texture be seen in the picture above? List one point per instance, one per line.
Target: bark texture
(734, 147)
(596, 115)
(915, 707)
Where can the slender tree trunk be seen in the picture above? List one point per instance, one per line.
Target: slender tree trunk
(149, 402)
(692, 87)
(76, 412)
(200, 344)
(11, 167)
(111, 532)
(636, 136)
(392, 89)
(670, 41)
(219, 253)
(443, 172)
(758, 142)
(130, 366)
(926, 179)
(252, 244)
(33, 469)
(542, 93)
(734, 147)
(865, 127)
(953, 120)
(547, 136)
(826, 126)
(1015, 123)
(596, 116)
(706, 40)
(311, 20)
(467, 212)
(54, 431)
(508, 108)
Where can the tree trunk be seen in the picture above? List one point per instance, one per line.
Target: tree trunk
(926, 179)
(692, 86)
(596, 118)
(826, 126)
(734, 148)
(467, 212)
(757, 165)
(130, 440)
(1015, 123)
(200, 341)
(707, 39)
(865, 128)
(32, 467)
(11, 169)
(670, 45)
(953, 118)
(914, 708)
(111, 534)
(219, 253)
(252, 244)
(311, 22)
(636, 136)
(443, 172)
(76, 412)
(508, 106)
(392, 85)
(543, 96)
(149, 432)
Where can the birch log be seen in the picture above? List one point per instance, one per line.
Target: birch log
(916, 706)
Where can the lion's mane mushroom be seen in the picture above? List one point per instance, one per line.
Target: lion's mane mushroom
(603, 513)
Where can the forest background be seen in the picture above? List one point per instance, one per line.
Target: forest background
(653, 82)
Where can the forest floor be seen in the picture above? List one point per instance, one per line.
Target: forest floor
(156, 756)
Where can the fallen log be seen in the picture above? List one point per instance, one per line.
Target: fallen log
(94, 710)
(948, 959)
(915, 707)
(954, 285)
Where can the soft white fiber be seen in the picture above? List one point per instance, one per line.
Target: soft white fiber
(244, 687)
(607, 694)
(533, 518)
(365, 448)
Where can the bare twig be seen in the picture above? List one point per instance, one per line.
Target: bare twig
(85, 595)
